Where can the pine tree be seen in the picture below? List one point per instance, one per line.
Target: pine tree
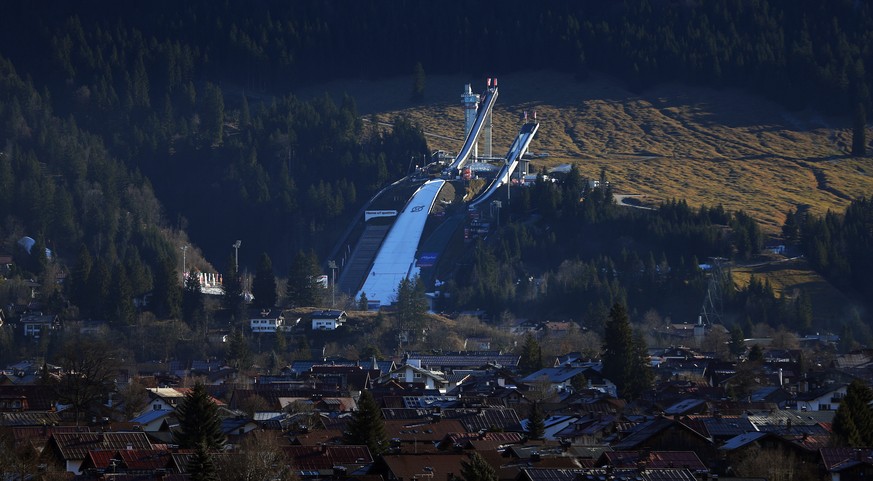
(536, 425)
(625, 360)
(212, 119)
(366, 426)
(853, 421)
(233, 299)
(168, 294)
(78, 284)
(121, 310)
(303, 288)
(737, 344)
(98, 290)
(531, 359)
(477, 469)
(411, 306)
(418, 82)
(363, 302)
(193, 303)
(202, 466)
(264, 284)
(199, 424)
(238, 349)
(860, 96)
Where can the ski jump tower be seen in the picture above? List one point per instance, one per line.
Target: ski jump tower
(471, 106)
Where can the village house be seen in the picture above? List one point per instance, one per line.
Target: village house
(69, 450)
(36, 324)
(328, 320)
(164, 398)
(269, 321)
(411, 373)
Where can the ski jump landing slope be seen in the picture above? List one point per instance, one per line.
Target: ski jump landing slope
(396, 258)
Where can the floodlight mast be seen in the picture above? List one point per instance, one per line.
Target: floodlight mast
(236, 254)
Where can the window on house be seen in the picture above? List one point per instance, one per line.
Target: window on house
(417, 375)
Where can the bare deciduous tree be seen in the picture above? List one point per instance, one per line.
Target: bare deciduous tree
(89, 371)
(259, 457)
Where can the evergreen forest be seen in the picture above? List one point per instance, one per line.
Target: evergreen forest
(129, 129)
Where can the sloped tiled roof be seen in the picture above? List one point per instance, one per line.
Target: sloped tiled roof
(743, 440)
(408, 430)
(437, 466)
(467, 360)
(152, 415)
(838, 459)
(34, 397)
(29, 419)
(720, 426)
(315, 458)
(73, 446)
(486, 419)
(132, 459)
(654, 460)
(554, 374)
(551, 474)
(38, 436)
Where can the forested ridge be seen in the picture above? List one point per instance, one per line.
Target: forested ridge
(124, 123)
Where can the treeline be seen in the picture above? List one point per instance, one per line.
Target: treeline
(182, 93)
(799, 52)
(60, 186)
(839, 246)
(586, 253)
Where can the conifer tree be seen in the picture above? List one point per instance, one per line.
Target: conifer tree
(238, 349)
(202, 466)
(121, 310)
(853, 421)
(411, 306)
(303, 289)
(168, 294)
(233, 299)
(193, 304)
(264, 284)
(367, 427)
(418, 82)
(98, 290)
(624, 357)
(199, 424)
(212, 120)
(536, 426)
(737, 344)
(860, 99)
(363, 302)
(477, 469)
(531, 358)
(80, 279)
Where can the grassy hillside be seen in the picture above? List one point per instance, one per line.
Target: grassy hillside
(706, 145)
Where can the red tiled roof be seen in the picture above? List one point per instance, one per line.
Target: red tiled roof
(33, 397)
(654, 459)
(145, 459)
(326, 457)
(422, 430)
(836, 459)
(408, 466)
(77, 445)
